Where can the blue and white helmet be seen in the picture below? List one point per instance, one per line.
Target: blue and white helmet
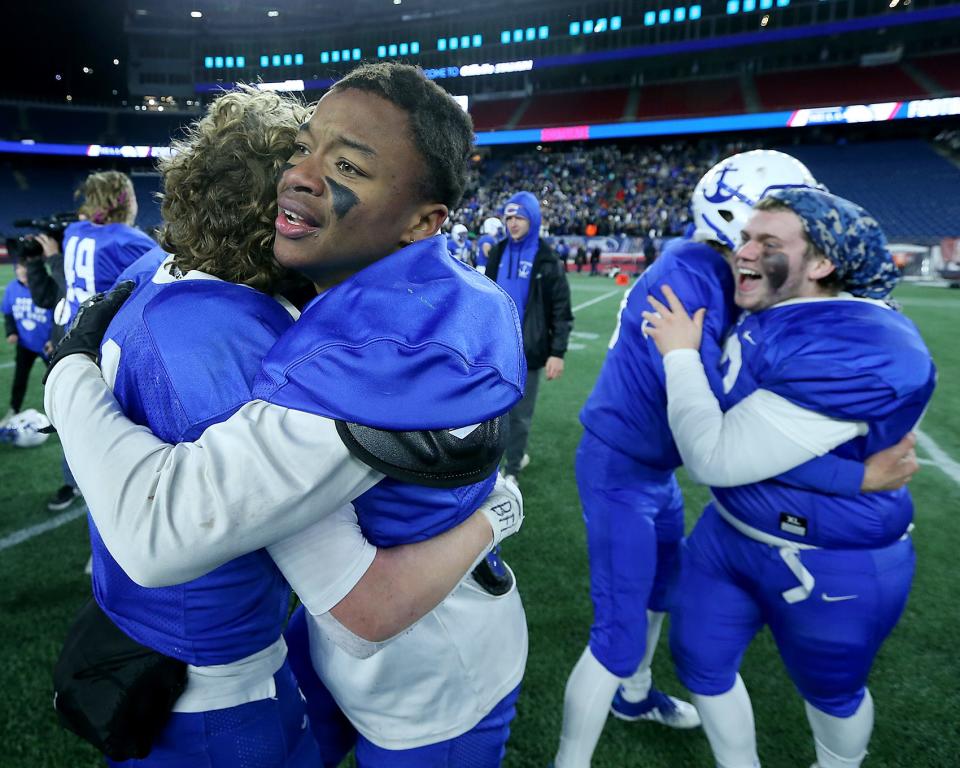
(23, 429)
(724, 198)
(459, 234)
(493, 227)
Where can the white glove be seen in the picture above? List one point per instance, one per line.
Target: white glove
(503, 508)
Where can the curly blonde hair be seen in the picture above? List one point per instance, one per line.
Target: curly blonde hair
(108, 198)
(219, 201)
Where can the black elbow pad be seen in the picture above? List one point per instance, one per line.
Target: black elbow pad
(440, 458)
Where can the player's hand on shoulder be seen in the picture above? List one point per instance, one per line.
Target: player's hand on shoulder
(90, 325)
(503, 509)
(670, 325)
(891, 468)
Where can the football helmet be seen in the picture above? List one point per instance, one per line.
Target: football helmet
(724, 198)
(493, 227)
(459, 234)
(23, 429)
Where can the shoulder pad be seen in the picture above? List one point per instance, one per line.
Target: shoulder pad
(439, 458)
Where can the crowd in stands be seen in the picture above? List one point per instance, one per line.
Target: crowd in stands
(616, 190)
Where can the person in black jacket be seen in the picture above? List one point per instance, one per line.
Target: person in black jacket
(526, 268)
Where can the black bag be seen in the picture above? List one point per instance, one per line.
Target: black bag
(112, 691)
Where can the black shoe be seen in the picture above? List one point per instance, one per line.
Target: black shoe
(63, 498)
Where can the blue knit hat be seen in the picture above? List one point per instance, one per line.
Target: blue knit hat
(848, 236)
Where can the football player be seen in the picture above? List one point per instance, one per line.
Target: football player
(493, 233)
(459, 246)
(632, 505)
(372, 352)
(104, 243)
(816, 364)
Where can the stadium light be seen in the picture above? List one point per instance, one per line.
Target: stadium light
(196, 15)
(765, 20)
(415, 46)
(69, 97)
(273, 14)
(58, 77)
(116, 62)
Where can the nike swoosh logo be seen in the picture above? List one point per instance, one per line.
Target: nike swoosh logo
(830, 599)
(748, 337)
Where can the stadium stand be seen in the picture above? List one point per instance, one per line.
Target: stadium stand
(836, 85)
(720, 96)
(944, 70)
(149, 128)
(493, 115)
(60, 125)
(599, 106)
(921, 206)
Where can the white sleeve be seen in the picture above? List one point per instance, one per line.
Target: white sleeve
(325, 561)
(760, 437)
(171, 513)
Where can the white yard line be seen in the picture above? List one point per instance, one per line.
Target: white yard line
(940, 457)
(617, 292)
(7, 365)
(25, 534)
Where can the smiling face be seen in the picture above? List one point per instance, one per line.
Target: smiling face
(774, 263)
(348, 196)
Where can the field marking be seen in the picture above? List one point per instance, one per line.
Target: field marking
(584, 335)
(940, 457)
(598, 299)
(25, 534)
(7, 365)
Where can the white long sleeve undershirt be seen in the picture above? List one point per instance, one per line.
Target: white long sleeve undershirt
(170, 513)
(762, 436)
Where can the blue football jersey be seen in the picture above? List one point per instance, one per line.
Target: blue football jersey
(849, 359)
(188, 354)
(627, 409)
(462, 253)
(144, 267)
(396, 347)
(33, 323)
(481, 255)
(95, 254)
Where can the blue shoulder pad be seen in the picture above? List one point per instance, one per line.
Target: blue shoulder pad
(414, 341)
(848, 359)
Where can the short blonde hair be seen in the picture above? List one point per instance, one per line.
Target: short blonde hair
(219, 200)
(108, 198)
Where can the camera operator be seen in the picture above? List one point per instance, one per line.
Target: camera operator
(28, 326)
(40, 276)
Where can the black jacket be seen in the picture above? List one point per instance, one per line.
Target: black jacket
(547, 320)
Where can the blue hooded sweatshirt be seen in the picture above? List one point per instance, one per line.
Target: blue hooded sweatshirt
(516, 263)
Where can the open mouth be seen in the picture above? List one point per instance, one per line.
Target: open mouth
(747, 279)
(294, 225)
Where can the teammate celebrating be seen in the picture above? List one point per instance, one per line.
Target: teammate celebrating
(625, 464)
(816, 364)
(368, 250)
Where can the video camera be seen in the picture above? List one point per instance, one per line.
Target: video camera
(26, 246)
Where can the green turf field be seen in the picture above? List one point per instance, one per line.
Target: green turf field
(914, 683)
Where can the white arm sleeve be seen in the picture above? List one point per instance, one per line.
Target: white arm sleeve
(760, 437)
(170, 513)
(325, 561)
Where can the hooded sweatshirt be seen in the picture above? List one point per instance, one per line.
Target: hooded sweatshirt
(516, 265)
